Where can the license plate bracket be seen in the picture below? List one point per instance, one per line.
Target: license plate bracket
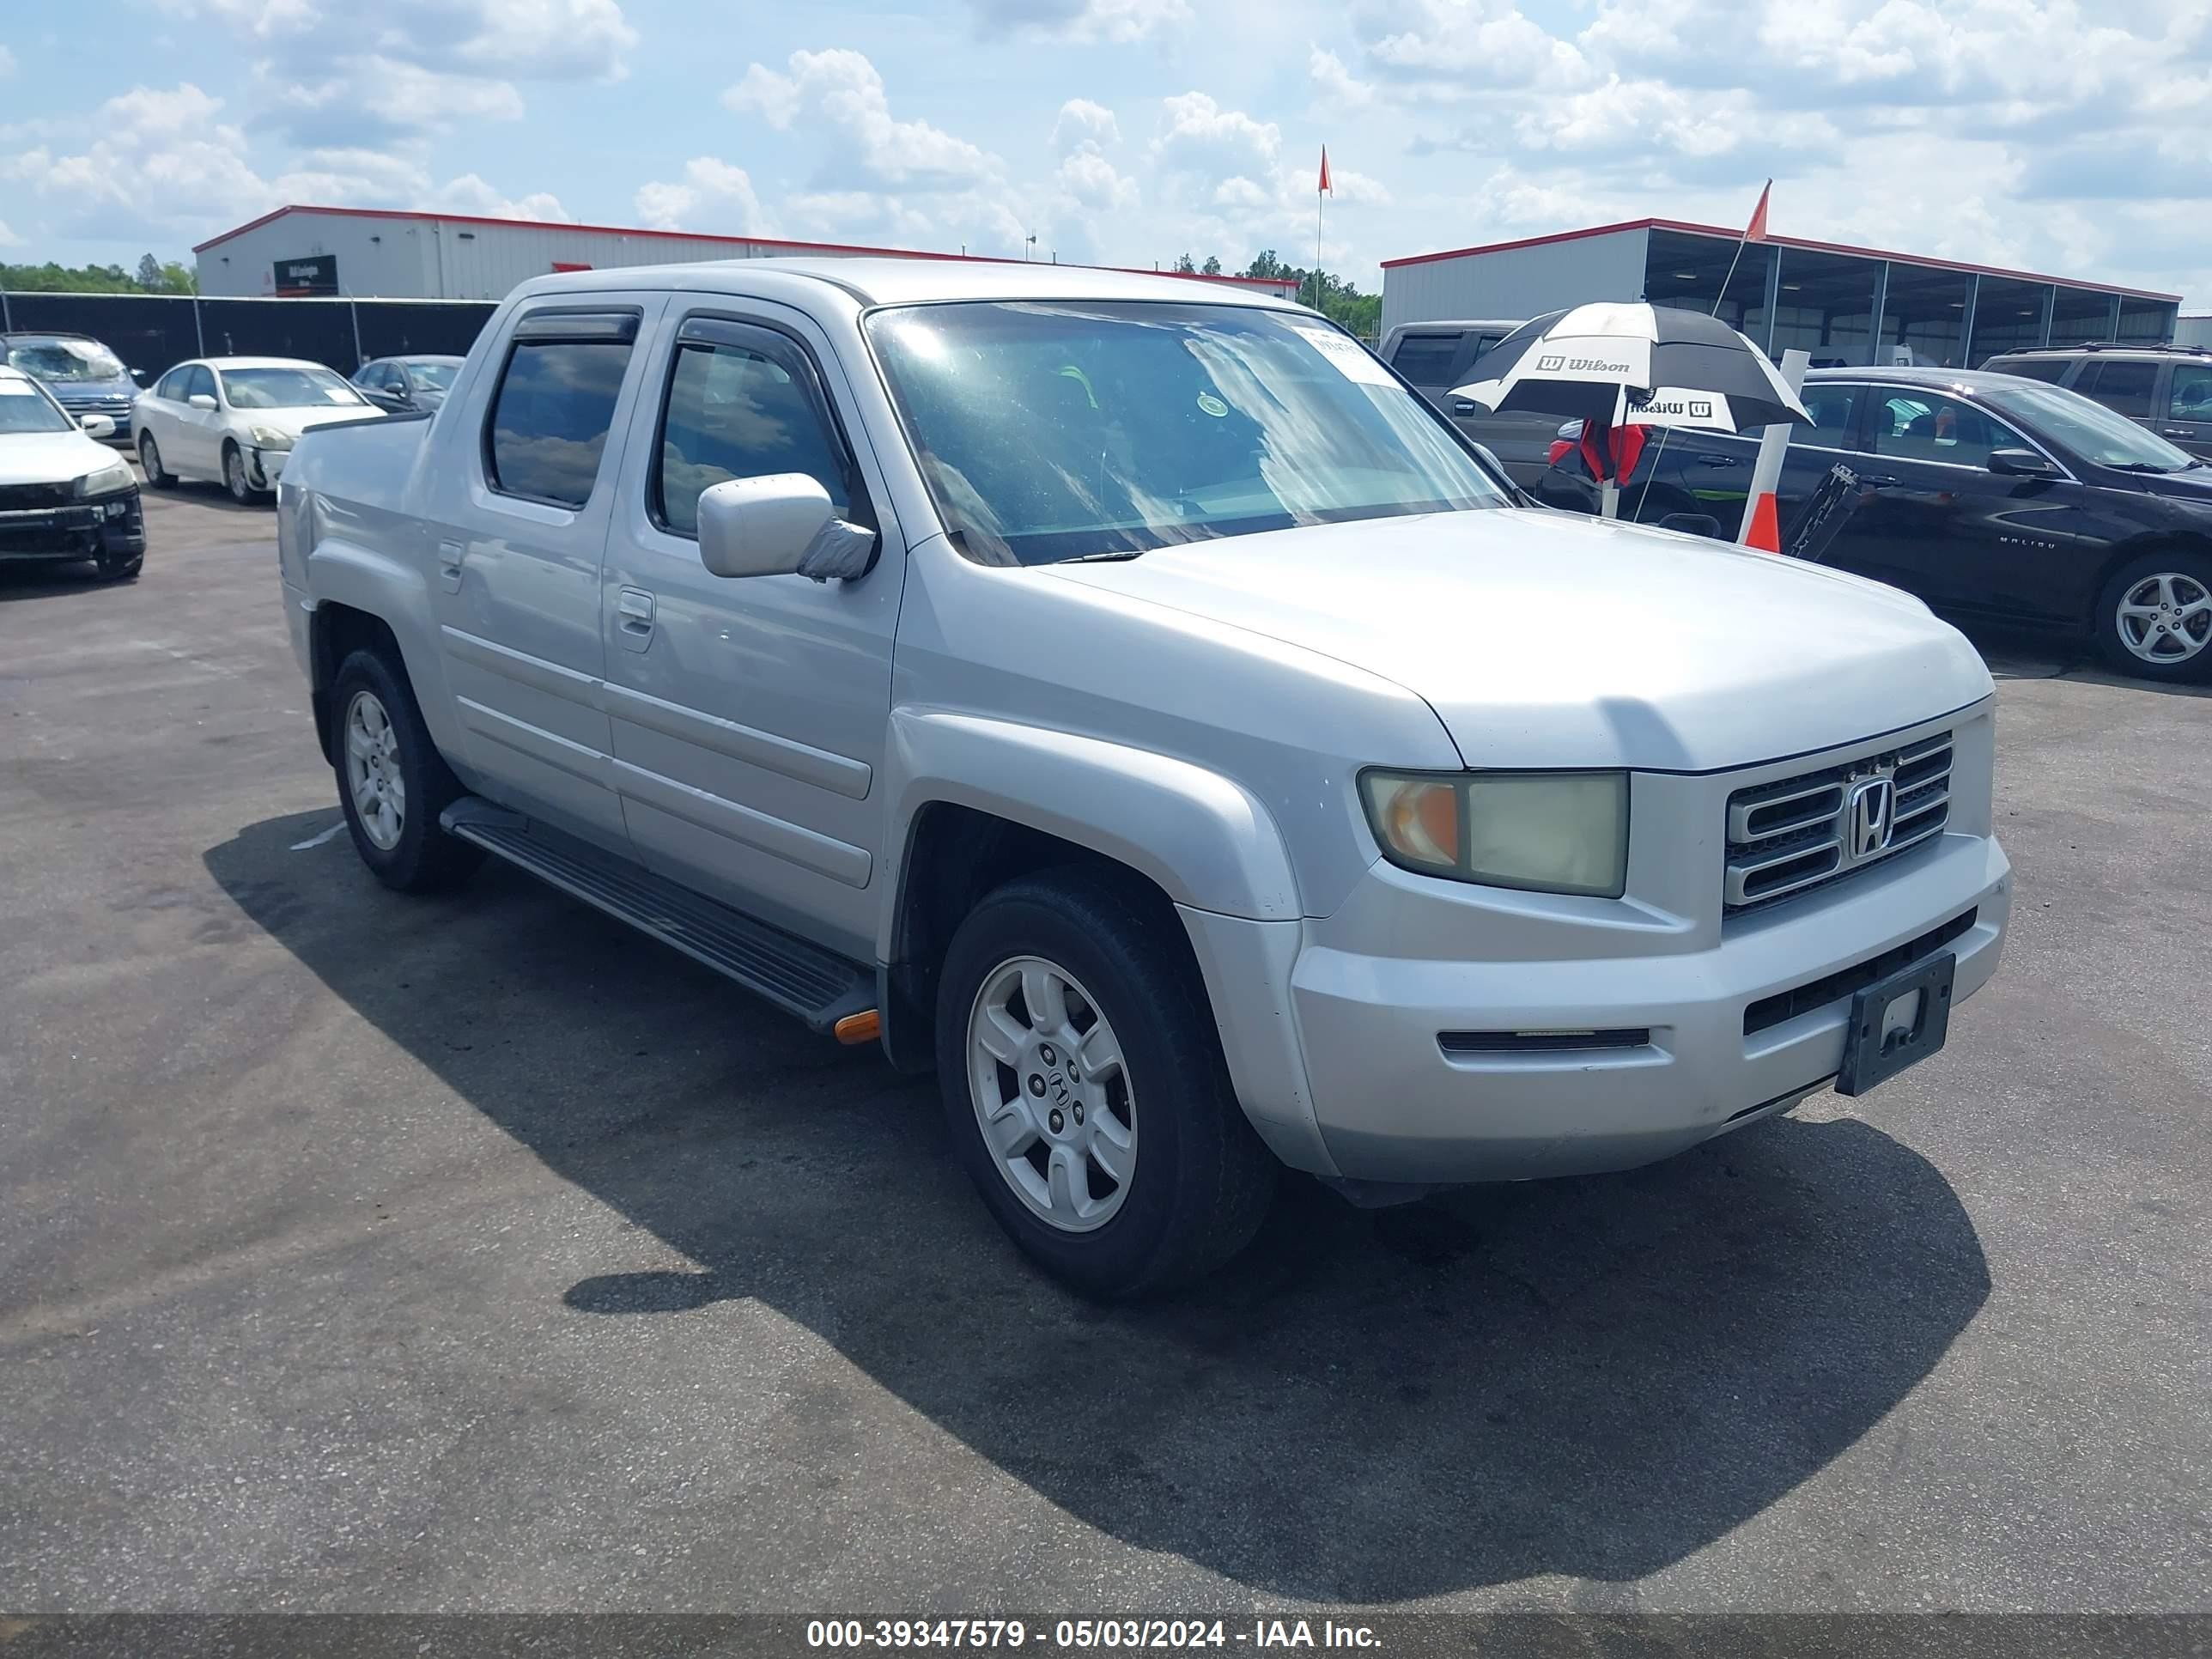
(1897, 1022)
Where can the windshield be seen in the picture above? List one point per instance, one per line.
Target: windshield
(24, 408)
(1067, 430)
(437, 377)
(65, 360)
(2087, 427)
(285, 388)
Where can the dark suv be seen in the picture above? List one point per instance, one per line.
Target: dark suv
(2166, 388)
(1987, 494)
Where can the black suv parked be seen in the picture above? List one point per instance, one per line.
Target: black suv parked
(1987, 494)
(2166, 388)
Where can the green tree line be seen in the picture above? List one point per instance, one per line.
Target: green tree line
(152, 276)
(1340, 301)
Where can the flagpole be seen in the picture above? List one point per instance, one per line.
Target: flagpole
(1660, 453)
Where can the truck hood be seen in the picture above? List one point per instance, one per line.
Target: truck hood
(1553, 640)
(49, 456)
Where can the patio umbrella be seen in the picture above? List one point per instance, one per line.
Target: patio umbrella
(1635, 365)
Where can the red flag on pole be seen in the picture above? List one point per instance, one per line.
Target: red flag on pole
(1323, 187)
(1753, 232)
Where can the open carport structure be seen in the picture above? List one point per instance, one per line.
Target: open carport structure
(1844, 305)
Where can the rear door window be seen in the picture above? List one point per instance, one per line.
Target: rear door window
(1425, 358)
(555, 404)
(2053, 369)
(2125, 388)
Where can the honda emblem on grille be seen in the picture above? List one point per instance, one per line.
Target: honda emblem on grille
(1869, 816)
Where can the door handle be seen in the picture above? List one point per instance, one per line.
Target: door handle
(449, 554)
(1873, 481)
(633, 617)
(1465, 406)
(2179, 432)
(1719, 460)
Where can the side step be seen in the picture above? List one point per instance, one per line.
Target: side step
(822, 988)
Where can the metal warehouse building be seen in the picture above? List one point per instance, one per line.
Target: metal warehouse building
(1844, 305)
(360, 252)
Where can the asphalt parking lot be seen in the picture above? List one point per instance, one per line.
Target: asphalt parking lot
(360, 1252)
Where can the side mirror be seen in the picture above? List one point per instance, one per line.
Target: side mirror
(97, 426)
(760, 526)
(200, 400)
(2021, 463)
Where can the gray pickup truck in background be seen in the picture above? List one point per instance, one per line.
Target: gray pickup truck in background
(1127, 700)
(1434, 357)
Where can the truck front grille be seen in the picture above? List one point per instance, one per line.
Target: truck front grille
(37, 497)
(1798, 832)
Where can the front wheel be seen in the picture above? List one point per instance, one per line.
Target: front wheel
(1086, 1089)
(234, 476)
(393, 782)
(2155, 619)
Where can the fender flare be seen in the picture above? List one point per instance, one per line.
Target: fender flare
(1125, 804)
(343, 571)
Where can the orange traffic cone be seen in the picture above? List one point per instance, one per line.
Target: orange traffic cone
(1765, 532)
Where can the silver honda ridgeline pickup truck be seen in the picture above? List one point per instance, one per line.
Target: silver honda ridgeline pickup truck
(1126, 697)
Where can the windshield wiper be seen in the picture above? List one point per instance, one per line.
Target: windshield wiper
(1103, 558)
(2148, 466)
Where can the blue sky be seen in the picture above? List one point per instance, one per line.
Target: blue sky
(2049, 136)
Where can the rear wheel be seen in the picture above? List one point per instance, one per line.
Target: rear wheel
(1085, 1091)
(150, 458)
(2155, 619)
(392, 782)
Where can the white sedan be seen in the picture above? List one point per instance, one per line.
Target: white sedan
(233, 419)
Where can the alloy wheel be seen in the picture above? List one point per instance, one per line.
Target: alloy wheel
(372, 773)
(2166, 618)
(1052, 1094)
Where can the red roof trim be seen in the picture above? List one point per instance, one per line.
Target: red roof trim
(1274, 284)
(1728, 234)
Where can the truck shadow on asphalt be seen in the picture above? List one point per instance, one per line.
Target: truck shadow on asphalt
(1594, 1377)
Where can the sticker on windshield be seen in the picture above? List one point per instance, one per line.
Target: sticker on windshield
(1350, 359)
(1212, 405)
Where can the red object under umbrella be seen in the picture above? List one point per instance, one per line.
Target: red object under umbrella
(1610, 452)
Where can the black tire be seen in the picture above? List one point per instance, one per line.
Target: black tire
(1203, 1181)
(234, 476)
(425, 858)
(150, 458)
(2113, 632)
(124, 570)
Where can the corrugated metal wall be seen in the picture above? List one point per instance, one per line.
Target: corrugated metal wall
(1517, 282)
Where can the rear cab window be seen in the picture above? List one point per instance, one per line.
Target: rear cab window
(2053, 369)
(554, 403)
(1426, 358)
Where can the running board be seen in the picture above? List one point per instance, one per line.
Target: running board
(819, 985)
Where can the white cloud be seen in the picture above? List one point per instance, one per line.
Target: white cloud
(1465, 46)
(1080, 121)
(864, 147)
(7, 62)
(712, 196)
(1090, 181)
(527, 40)
(470, 194)
(1198, 136)
(1082, 21)
(1335, 85)
(409, 99)
(8, 238)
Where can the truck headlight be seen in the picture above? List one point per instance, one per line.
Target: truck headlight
(1546, 832)
(110, 480)
(268, 437)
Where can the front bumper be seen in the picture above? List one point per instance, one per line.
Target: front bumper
(1433, 1031)
(1393, 1104)
(265, 466)
(111, 528)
